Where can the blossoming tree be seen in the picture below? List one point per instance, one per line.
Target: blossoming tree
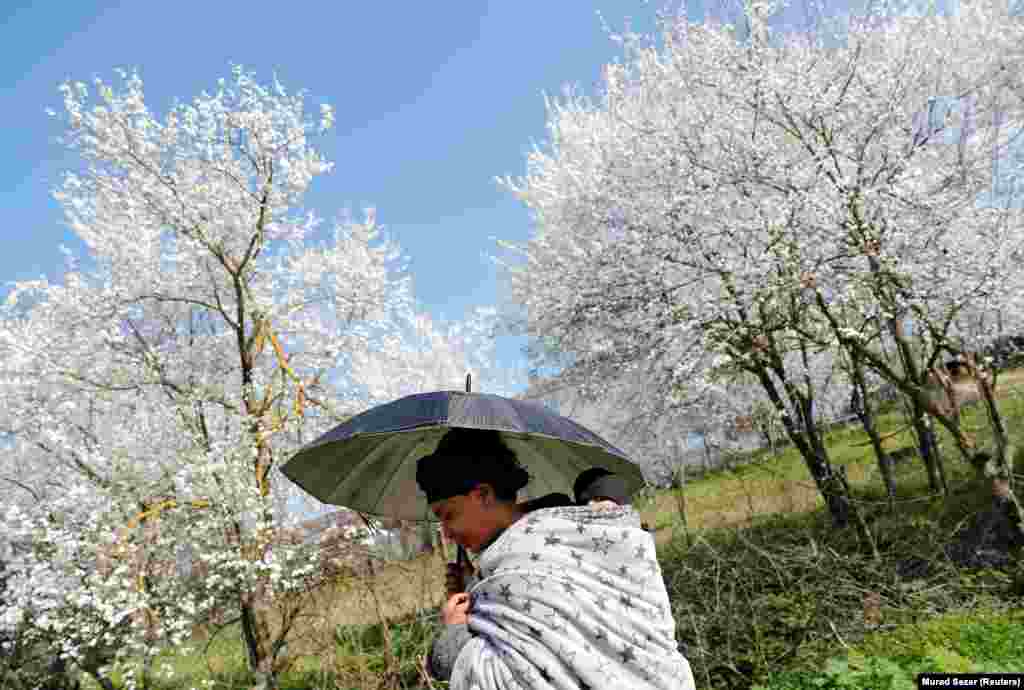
(724, 201)
(148, 399)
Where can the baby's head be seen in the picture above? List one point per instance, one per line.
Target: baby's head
(598, 485)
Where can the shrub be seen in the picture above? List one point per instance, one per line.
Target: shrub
(789, 592)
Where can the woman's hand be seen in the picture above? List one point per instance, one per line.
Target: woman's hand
(456, 609)
(455, 579)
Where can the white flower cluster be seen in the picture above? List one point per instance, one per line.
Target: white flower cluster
(148, 401)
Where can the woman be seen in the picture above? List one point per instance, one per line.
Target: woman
(568, 597)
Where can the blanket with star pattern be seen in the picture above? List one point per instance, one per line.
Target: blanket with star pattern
(571, 598)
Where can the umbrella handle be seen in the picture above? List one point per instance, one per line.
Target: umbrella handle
(461, 559)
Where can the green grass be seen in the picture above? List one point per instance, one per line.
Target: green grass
(765, 593)
(985, 641)
(777, 591)
(354, 659)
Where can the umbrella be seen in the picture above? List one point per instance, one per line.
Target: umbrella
(368, 463)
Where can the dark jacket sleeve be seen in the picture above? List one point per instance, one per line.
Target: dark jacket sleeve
(445, 650)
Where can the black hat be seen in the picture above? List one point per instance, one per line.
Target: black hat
(465, 458)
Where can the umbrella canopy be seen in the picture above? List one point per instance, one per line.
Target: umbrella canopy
(369, 462)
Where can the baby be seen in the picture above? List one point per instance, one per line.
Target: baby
(600, 488)
(595, 487)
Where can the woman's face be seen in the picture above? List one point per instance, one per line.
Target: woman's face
(468, 519)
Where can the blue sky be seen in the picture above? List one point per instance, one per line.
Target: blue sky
(433, 101)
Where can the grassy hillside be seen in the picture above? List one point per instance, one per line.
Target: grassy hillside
(765, 593)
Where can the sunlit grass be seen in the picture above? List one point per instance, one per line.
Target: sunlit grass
(770, 498)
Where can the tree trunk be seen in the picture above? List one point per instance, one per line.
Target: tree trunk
(147, 671)
(256, 635)
(828, 481)
(708, 465)
(991, 465)
(928, 447)
(927, 441)
(809, 443)
(863, 530)
(863, 411)
(1001, 470)
(679, 489)
(916, 412)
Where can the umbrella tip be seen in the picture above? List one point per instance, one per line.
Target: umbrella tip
(469, 383)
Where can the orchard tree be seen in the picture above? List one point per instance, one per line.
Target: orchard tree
(883, 155)
(149, 399)
(645, 265)
(728, 199)
(880, 156)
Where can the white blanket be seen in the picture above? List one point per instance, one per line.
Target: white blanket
(571, 599)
